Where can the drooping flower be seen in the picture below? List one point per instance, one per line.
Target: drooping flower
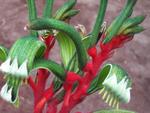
(18, 64)
(116, 85)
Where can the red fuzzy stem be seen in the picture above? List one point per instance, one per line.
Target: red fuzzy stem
(32, 84)
(45, 97)
(43, 74)
(40, 95)
(52, 106)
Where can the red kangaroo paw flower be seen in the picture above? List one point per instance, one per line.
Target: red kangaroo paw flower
(90, 70)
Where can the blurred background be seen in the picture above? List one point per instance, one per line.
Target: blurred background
(134, 56)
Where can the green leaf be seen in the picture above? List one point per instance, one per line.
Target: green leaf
(117, 23)
(131, 22)
(114, 111)
(3, 53)
(66, 7)
(51, 66)
(67, 48)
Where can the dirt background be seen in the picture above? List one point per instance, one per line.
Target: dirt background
(134, 57)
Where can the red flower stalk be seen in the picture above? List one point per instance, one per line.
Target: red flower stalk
(41, 96)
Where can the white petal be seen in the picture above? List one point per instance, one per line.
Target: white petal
(110, 81)
(120, 88)
(128, 95)
(14, 67)
(3, 90)
(5, 67)
(6, 94)
(22, 71)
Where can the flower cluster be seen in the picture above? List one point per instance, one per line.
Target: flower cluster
(80, 73)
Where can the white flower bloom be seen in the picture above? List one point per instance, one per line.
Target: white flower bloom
(120, 88)
(6, 94)
(22, 71)
(14, 67)
(5, 67)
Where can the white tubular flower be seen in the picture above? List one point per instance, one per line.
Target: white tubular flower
(14, 69)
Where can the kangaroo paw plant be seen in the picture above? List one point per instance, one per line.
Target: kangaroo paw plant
(80, 73)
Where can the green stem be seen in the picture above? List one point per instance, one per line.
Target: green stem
(117, 23)
(48, 24)
(48, 9)
(32, 14)
(99, 21)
